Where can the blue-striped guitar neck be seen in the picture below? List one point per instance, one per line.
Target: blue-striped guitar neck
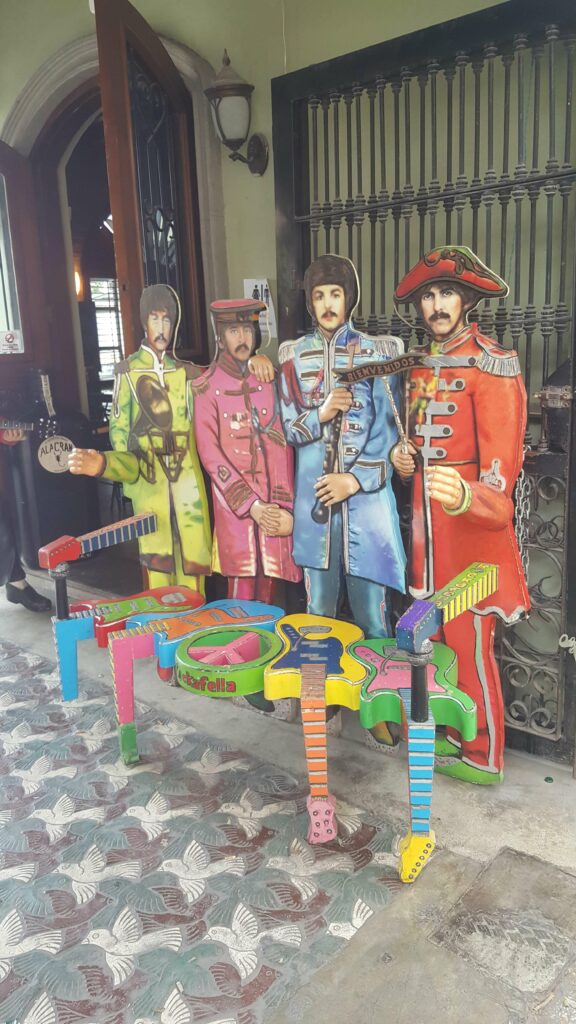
(414, 629)
(69, 549)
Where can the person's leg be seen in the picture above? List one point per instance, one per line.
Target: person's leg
(18, 590)
(369, 606)
(323, 586)
(166, 543)
(180, 576)
(242, 588)
(471, 637)
(265, 589)
(17, 576)
(191, 522)
(159, 579)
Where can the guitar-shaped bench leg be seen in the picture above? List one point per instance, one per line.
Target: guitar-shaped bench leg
(320, 803)
(416, 847)
(125, 648)
(67, 634)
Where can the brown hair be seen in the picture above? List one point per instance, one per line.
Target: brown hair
(158, 297)
(331, 269)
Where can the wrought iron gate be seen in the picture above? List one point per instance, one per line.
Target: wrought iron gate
(462, 133)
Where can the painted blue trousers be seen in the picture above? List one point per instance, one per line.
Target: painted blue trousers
(324, 588)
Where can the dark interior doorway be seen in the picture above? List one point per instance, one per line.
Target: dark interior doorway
(95, 275)
(96, 285)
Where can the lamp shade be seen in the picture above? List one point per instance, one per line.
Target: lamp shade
(229, 98)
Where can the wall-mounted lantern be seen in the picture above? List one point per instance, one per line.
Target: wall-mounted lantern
(229, 98)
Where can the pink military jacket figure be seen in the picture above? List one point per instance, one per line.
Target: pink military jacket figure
(241, 444)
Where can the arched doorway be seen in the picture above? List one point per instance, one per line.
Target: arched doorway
(57, 123)
(47, 122)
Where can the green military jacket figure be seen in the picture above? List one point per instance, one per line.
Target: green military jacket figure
(156, 461)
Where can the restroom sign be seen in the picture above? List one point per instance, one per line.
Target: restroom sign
(53, 453)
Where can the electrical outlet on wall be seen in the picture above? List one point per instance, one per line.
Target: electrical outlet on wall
(259, 288)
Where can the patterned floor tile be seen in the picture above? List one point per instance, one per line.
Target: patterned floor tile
(178, 890)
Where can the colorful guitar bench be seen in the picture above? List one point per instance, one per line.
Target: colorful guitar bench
(97, 618)
(316, 665)
(422, 677)
(219, 650)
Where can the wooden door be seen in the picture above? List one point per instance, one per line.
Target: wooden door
(23, 327)
(149, 138)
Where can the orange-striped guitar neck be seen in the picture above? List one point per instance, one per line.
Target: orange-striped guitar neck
(315, 665)
(320, 803)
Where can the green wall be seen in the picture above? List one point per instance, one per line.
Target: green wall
(319, 30)
(265, 38)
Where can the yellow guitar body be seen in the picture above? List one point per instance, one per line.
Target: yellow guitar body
(316, 640)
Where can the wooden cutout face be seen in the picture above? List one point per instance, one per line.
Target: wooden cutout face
(314, 639)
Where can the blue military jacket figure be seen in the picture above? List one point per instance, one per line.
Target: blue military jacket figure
(372, 543)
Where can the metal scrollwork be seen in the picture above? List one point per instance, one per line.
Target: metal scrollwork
(531, 664)
(478, 148)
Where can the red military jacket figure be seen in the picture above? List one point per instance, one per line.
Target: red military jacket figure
(241, 444)
(469, 411)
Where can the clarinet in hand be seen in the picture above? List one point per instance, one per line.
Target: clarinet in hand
(321, 513)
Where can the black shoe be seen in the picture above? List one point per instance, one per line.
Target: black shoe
(27, 596)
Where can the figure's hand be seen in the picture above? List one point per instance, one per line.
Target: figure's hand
(404, 462)
(262, 368)
(283, 524)
(445, 485)
(335, 487)
(12, 436)
(265, 515)
(86, 461)
(270, 519)
(339, 400)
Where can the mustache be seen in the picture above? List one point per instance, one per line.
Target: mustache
(327, 314)
(160, 337)
(439, 316)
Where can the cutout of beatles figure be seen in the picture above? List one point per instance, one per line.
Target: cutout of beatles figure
(467, 417)
(155, 457)
(243, 449)
(346, 529)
